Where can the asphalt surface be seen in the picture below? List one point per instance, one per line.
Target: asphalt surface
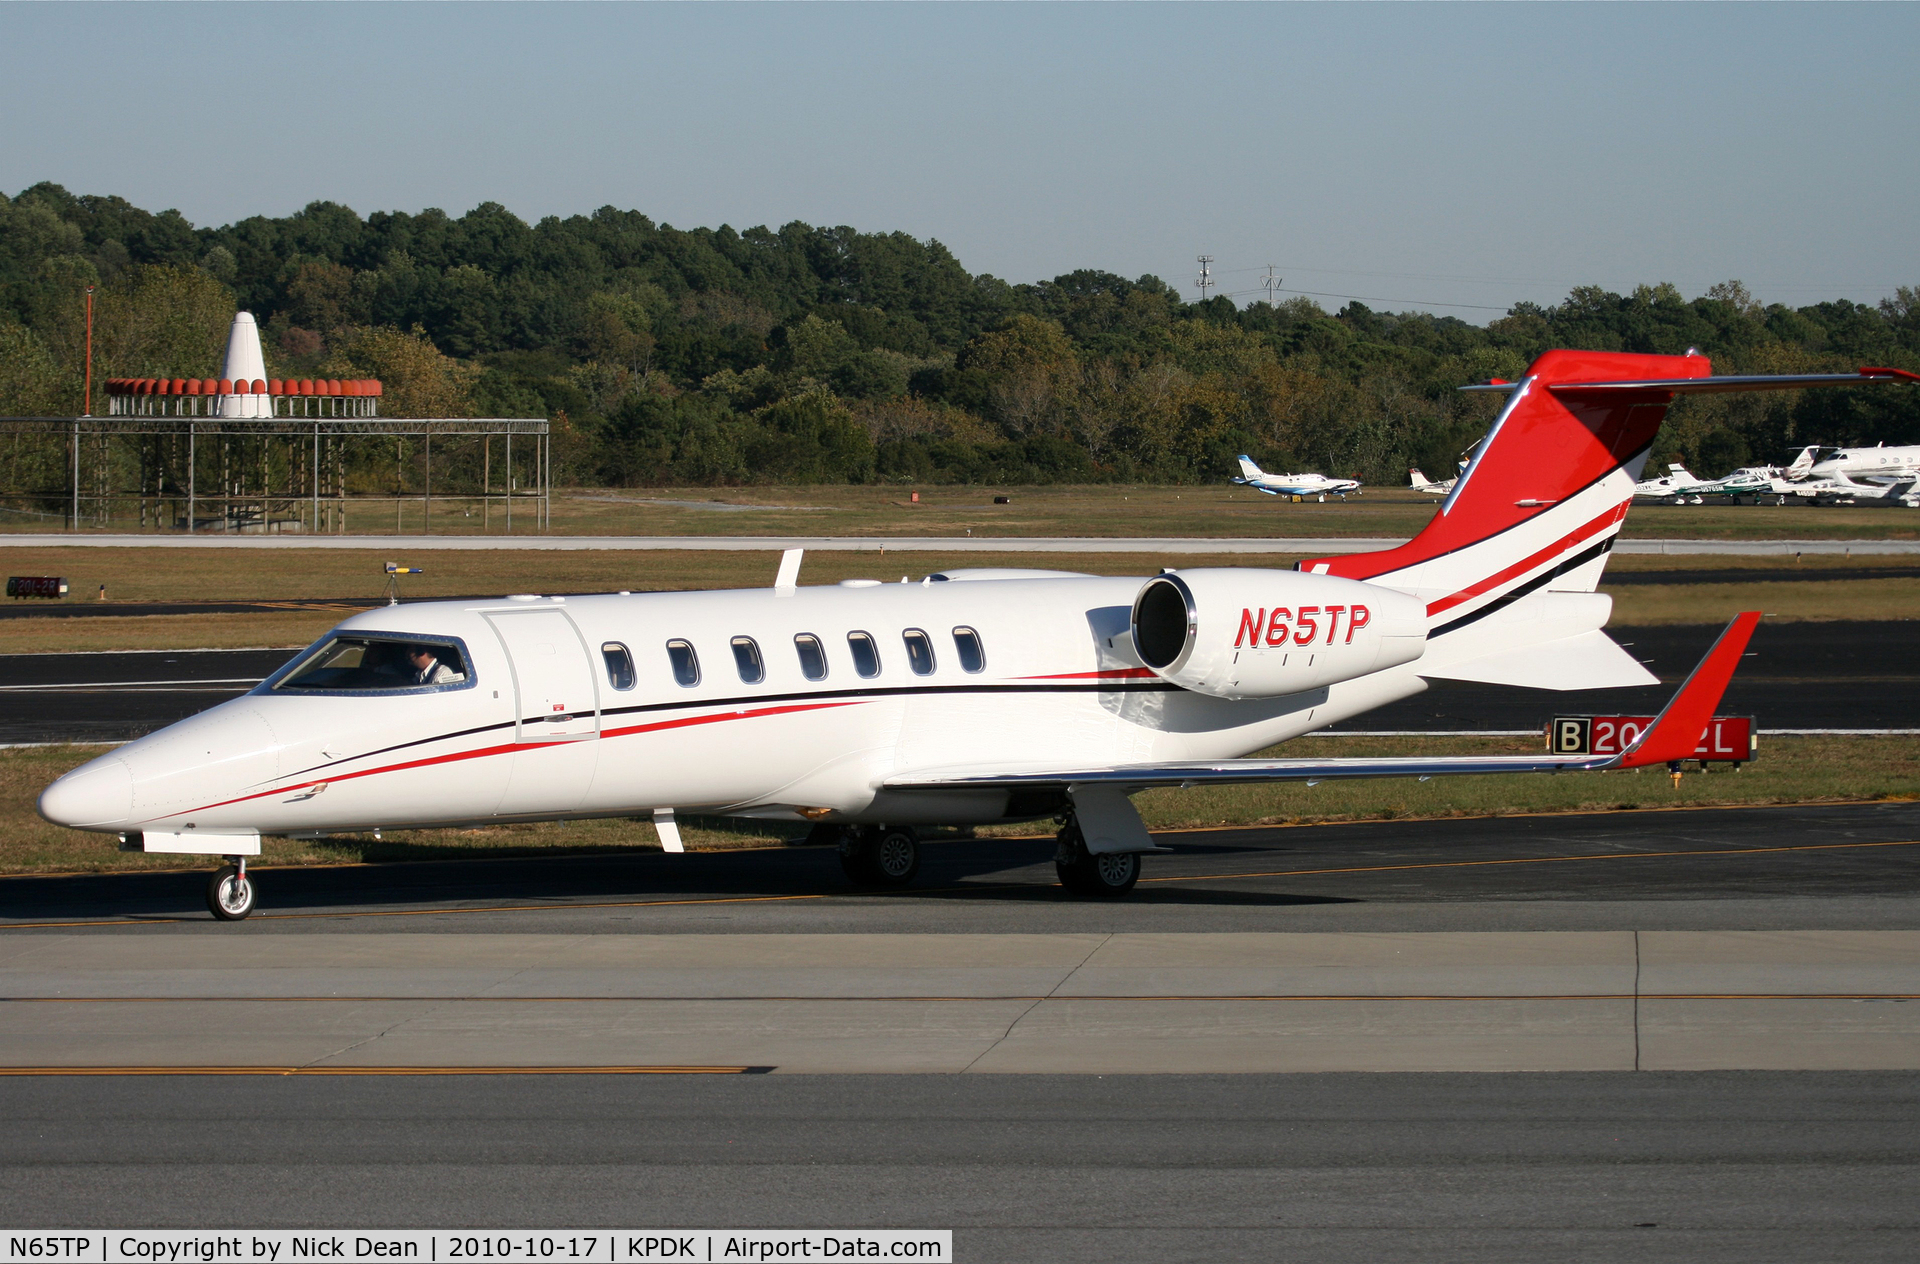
(1656, 1165)
(1432, 1167)
(1844, 675)
(930, 543)
(1844, 866)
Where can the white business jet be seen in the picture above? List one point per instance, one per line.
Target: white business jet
(1320, 485)
(967, 698)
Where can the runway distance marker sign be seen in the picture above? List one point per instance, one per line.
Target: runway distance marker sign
(496, 1246)
(1728, 739)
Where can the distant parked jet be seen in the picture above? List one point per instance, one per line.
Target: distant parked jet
(1294, 484)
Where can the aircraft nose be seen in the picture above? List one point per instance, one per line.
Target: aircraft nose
(99, 793)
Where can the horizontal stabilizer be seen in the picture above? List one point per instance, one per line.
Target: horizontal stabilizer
(1590, 660)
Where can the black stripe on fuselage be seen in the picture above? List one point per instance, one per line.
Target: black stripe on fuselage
(762, 699)
(1533, 585)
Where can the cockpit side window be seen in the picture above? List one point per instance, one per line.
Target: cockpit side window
(383, 663)
(619, 665)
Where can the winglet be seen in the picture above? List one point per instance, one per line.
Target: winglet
(1675, 734)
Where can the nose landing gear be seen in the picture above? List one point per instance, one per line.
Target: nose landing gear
(230, 891)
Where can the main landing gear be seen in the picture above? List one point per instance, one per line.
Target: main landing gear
(230, 891)
(1083, 873)
(880, 855)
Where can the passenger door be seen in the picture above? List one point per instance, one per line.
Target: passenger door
(557, 693)
(556, 711)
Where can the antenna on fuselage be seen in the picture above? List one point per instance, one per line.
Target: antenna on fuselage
(789, 574)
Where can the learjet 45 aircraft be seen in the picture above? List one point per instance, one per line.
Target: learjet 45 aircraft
(970, 697)
(1320, 485)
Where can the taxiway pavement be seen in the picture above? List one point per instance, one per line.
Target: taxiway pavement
(902, 544)
(1065, 1169)
(371, 995)
(1782, 938)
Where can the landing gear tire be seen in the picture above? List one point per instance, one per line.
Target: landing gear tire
(885, 857)
(230, 893)
(1083, 873)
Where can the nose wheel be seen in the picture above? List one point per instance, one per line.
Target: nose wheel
(230, 891)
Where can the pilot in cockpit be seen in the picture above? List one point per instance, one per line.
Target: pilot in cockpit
(428, 669)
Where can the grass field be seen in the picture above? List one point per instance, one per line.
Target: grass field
(1788, 770)
(1218, 509)
(1845, 588)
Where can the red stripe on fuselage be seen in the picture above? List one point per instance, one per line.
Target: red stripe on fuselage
(503, 748)
(1565, 543)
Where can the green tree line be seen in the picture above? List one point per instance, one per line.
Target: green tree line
(715, 356)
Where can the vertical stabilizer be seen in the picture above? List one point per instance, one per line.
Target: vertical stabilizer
(1545, 494)
(1248, 470)
(246, 368)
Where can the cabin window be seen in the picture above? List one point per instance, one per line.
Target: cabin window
(378, 664)
(919, 651)
(866, 655)
(746, 657)
(972, 657)
(619, 665)
(686, 663)
(813, 656)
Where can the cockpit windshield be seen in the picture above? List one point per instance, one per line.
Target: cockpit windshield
(365, 664)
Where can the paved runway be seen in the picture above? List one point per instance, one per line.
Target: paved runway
(1840, 675)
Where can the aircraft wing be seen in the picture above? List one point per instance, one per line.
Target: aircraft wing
(1672, 736)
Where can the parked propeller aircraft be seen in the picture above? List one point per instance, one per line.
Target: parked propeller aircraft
(1676, 482)
(969, 697)
(1319, 485)
(1421, 483)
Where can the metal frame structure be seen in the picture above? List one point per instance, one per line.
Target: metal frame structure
(316, 446)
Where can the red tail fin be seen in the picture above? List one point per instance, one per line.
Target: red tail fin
(1543, 453)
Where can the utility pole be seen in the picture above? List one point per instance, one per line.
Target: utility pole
(86, 405)
(1271, 284)
(1205, 281)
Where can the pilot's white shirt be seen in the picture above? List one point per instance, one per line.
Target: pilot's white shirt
(438, 674)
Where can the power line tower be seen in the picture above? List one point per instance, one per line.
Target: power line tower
(1205, 280)
(1271, 284)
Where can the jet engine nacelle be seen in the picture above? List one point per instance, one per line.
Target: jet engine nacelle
(1235, 633)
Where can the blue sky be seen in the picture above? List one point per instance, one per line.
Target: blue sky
(1412, 155)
